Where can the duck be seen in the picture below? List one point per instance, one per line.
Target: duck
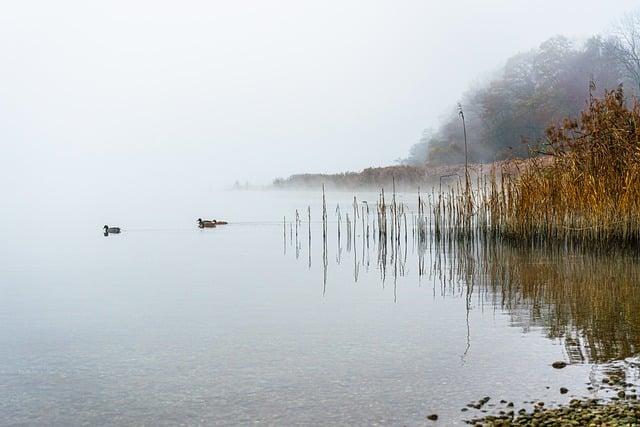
(206, 223)
(111, 230)
(202, 223)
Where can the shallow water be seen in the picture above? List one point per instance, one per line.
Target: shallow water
(166, 323)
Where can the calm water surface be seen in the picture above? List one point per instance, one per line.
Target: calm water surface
(168, 324)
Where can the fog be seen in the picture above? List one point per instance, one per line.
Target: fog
(156, 97)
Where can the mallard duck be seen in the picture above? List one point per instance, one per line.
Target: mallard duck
(111, 230)
(206, 223)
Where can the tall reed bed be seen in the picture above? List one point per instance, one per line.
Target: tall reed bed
(590, 188)
(585, 188)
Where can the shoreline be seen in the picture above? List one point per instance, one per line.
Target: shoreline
(591, 412)
(619, 407)
(405, 177)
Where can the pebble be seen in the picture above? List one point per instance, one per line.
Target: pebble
(577, 413)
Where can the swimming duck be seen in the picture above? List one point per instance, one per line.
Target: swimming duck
(206, 223)
(202, 223)
(111, 230)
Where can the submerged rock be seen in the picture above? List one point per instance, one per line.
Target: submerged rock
(559, 364)
(433, 417)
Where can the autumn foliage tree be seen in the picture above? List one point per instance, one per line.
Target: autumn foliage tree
(509, 114)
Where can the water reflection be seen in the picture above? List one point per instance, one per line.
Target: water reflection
(586, 300)
(589, 301)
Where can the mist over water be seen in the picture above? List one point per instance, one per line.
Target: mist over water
(156, 95)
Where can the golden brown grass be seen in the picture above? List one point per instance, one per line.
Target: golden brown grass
(585, 188)
(591, 188)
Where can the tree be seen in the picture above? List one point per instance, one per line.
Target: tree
(418, 151)
(507, 116)
(625, 44)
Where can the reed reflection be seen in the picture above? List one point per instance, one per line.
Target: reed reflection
(586, 299)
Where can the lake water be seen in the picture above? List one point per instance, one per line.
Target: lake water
(168, 324)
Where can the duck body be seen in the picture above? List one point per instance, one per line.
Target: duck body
(206, 223)
(111, 230)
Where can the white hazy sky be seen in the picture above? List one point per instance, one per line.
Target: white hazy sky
(137, 94)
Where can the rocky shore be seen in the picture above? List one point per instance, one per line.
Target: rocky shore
(619, 406)
(591, 412)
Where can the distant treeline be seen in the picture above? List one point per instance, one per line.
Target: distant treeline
(374, 178)
(507, 117)
(405, 177)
